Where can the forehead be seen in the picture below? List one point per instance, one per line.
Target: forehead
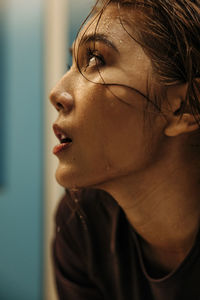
(107, 22)
(117, 27)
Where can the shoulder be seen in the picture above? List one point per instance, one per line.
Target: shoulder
(82, 248)
(85, 223)
(91, 236)
(88, 214)
(89, 203)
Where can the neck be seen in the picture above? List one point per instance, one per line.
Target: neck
(162, 204)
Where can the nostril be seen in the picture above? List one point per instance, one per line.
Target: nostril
(61, 100)
(65, 101)
(59, 106)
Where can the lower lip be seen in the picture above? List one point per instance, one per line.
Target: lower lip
(61, 147)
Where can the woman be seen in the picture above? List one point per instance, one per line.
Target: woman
(129, 130)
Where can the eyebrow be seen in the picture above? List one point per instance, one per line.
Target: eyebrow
(98, 38)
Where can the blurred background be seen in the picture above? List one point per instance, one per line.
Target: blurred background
(35, 36)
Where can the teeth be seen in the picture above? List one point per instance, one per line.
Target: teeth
(63, 136)
(65, 139)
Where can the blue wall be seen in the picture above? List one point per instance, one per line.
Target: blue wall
(21, 145)
(21, 200)
(2, 89)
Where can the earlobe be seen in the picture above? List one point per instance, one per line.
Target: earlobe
(179, 118)
(180, 125)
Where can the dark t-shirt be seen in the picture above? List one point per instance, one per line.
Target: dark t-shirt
(97, 255)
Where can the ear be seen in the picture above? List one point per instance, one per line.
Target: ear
(178, 124)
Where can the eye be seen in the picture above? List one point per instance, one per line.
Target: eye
(94, 59)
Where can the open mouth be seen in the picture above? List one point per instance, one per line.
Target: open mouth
(61, 134)
(65, 143)
(65, 140)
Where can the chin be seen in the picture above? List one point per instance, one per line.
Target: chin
(72, 179)
(66, 179)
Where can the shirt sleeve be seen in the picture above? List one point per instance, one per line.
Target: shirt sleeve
(70, 257)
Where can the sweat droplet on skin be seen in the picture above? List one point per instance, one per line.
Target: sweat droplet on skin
(107, 167)
(112, 104)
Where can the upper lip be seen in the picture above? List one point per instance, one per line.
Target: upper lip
(60, 132)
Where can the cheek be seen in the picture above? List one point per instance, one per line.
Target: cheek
(122, 135)
(110, 139)
(124, 147)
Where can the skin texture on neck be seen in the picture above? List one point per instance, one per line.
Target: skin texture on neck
(162, 203)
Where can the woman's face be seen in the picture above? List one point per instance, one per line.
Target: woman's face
(105, 122)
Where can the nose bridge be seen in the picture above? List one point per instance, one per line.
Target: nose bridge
(60, 96)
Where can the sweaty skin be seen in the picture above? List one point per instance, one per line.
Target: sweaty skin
(143, 167)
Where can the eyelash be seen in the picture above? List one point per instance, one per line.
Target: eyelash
(90, 53)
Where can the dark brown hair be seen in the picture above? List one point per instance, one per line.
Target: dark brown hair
(169, 32)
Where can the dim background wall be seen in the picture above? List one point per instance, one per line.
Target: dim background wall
(21, 143)
(34, 39)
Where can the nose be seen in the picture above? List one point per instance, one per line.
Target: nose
(61, 100)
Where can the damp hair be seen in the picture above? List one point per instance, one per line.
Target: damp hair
(169, 33)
